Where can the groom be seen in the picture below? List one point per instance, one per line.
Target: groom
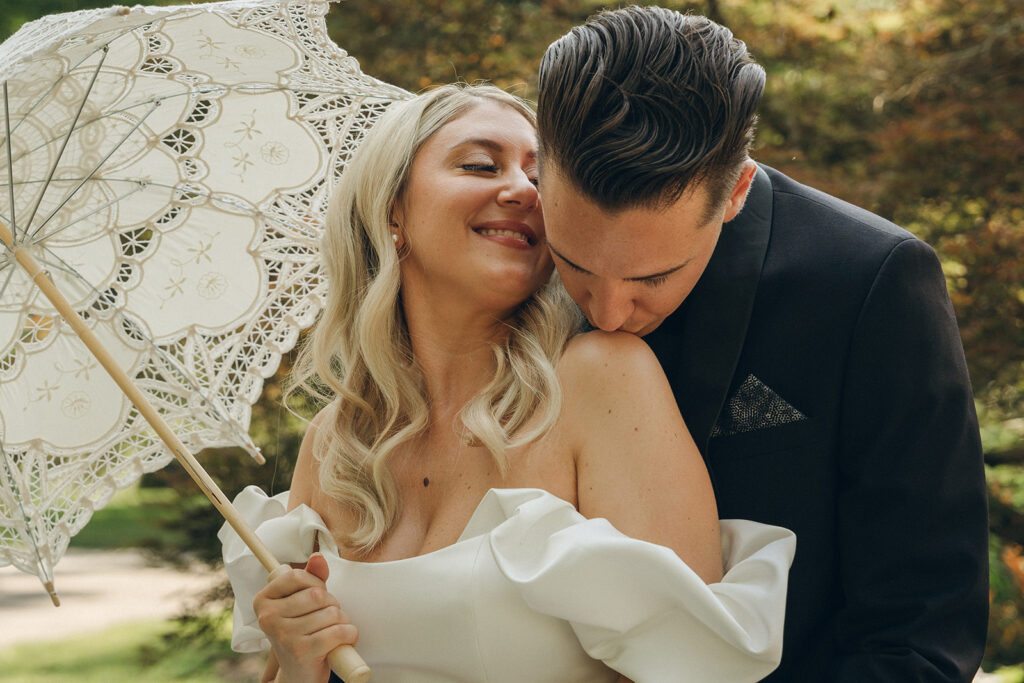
(811, 345)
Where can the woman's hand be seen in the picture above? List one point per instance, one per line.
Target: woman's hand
(303, 622)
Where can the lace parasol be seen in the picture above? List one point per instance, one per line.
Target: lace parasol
(168, 168)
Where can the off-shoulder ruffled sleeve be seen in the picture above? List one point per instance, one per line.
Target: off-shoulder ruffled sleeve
(634, 605)
(637, 606)
(290, 536)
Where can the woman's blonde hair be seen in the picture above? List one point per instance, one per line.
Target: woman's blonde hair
(359, 356)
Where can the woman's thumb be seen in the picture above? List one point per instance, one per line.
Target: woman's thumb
(317, 566)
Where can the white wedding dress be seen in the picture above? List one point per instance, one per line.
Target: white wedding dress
(534, 592)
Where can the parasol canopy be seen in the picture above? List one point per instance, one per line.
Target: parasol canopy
(167, 168)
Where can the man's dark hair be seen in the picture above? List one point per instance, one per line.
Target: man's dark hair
(639, 103)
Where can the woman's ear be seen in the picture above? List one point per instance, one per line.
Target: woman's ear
(395, 226)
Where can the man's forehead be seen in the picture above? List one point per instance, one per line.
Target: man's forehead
(560, 188)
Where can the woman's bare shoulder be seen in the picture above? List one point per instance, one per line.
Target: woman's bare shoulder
(610, 373)
(596, 358)
(305, 486)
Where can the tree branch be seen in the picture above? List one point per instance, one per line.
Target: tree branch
(1007, 456)
(1004, 519)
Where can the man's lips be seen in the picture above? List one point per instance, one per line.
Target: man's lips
(508, 231)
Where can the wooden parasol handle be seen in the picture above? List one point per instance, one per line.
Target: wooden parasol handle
(350, 666)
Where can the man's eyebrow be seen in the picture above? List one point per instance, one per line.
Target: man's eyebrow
(559, 255)
(490, 144)
(652, 276)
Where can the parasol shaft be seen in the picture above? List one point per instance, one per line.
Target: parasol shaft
(345, 661)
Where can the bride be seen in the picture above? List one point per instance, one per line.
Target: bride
(487, 494)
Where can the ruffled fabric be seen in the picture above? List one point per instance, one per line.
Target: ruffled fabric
(290, 537)
(634, 605)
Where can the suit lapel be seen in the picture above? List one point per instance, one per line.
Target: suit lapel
(700, 345)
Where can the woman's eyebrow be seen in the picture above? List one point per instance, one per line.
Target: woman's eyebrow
(490, 144)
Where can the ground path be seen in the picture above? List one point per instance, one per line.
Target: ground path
(97, 589)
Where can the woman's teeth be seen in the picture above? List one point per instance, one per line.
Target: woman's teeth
(488, 232)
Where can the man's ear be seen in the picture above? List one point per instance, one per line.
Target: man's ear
(738, 196)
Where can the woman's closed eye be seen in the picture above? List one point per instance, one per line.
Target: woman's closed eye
(493, 169)
(480, 168)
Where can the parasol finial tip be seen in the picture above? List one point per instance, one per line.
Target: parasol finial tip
(255, 452)
(53, 593)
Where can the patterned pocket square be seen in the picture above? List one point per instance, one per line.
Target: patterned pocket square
(754, 406)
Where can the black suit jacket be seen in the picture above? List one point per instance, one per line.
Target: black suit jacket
(819, 367)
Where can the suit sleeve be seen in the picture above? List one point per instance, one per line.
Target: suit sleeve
(912, 496)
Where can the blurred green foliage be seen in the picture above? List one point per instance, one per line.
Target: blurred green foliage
(909, 108)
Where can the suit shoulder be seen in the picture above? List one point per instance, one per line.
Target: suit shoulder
(796, 203)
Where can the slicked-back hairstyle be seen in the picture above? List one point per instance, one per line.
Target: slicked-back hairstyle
(638, 104)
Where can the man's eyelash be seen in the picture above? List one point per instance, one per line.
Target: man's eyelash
(655, 281)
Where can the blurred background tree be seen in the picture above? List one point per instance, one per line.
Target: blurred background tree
(909, 108)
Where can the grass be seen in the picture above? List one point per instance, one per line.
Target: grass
(132, 519)
(1010, 674)
(131, 653)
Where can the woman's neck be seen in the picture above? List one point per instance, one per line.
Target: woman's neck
(453, 347)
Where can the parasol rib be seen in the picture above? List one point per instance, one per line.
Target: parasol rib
(62, 265)
(250, 89)
(64, 145)
(138, 188)
(345, 661)
(56, 84)
(86, 179)
(194, 189)
(7, 282)
(47, 577)
(10, 158)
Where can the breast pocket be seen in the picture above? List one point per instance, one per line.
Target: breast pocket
(794, 436)
(776, 475)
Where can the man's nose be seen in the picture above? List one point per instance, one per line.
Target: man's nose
(610, 307)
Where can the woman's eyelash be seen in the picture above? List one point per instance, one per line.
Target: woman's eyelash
(490, 168)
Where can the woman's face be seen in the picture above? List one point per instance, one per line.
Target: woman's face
(470, 215)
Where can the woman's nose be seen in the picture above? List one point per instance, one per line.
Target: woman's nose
(520, 189)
